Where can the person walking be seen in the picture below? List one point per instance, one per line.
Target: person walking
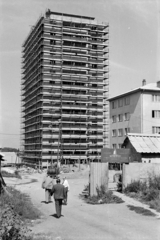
(59, 194)
(67, 188)
(47, 184)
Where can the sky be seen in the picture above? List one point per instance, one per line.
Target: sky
(134, 47)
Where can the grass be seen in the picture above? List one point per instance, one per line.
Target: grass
(147, 192)
(20, 203)
(16, 209)
(103, 196)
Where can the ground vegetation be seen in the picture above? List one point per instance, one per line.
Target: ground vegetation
(147, 191)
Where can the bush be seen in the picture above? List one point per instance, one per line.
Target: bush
(155, 204)
(136, 186)
(148, 191)
(150, 194)
(103, 196)
(154, 182)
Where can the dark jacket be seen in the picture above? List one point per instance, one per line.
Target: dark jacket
(59, 191)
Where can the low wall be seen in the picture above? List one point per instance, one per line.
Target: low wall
(138, 171)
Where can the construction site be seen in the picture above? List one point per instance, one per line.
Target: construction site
(64, 90)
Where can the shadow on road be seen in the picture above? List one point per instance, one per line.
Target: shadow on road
(55, 215)
(141, 210)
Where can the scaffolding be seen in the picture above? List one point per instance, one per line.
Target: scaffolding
(65, 84)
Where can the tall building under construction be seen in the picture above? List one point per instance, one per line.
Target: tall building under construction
(64, 92)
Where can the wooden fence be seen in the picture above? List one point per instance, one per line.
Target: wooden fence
(98, 176)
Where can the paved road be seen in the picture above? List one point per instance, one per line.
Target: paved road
(90, 222)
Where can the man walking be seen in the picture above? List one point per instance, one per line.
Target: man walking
(59, 194)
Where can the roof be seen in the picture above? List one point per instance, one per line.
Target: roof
(149, 87)
(144, 143)
(69, 15)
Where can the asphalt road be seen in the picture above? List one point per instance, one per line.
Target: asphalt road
(89, 222)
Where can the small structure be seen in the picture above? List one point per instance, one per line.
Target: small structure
(144, 148)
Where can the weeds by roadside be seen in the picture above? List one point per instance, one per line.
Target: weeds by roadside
(20, 203)
(147, 192)
(103, 196)
(16, 208)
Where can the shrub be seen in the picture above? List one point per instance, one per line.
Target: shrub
(154, 182)
(136, 186)
(148, 191)
(150, 194)
(103, 196)
(155, 204)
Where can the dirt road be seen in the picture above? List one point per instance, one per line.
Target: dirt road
(90, 222)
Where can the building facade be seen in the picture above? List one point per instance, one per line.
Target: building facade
(137, 111)
(65, 65)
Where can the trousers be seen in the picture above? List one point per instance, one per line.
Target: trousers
(58, 207)
(66, 195)
(47, 195)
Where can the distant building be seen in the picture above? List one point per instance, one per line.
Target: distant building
(10, 158)
(143, 147)
(65, 86)
(136, 111)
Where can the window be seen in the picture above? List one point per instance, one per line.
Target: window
(126, 131)
(120, 117)
(114, 105)
(120, 132)
(114, 119)
(126, 100)
(155, 98)
(119, 145)
(126, 116)
(156, 130)
(120, 102)
(114, 145)
(155, 113)
(114, 133)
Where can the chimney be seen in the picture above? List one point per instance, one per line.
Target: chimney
(158, 84)
(144, 82)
